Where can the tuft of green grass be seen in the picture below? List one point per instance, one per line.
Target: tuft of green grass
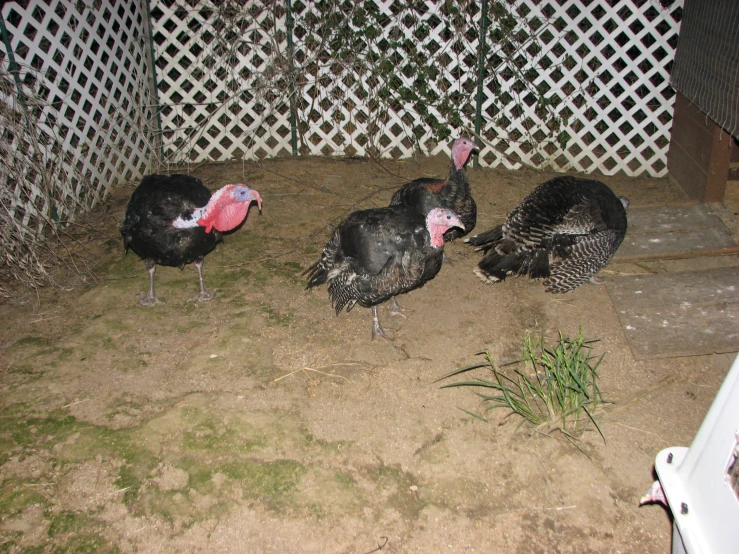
(556, 389)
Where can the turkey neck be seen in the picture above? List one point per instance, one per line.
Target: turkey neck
(457, 184)
(437, 234)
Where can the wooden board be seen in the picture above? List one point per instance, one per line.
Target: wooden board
(700, 152)
(670, 232)
(678, 314)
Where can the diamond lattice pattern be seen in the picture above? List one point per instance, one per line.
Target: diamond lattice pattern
(84, 118)
(565, 84)
(221, 70)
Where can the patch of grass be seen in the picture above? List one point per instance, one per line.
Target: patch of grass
(86, 543)
(72, 441)
(210, 435)
(273, 482)
(265, 478)
(32, 347)
(13, 547)
(274, 317)
(100, 340)
(556, 390)
(25, 370)
(76, 532)
(68, 522)
(32, 432)
(31, 341)
(395, 485)
(189, 326)
(290, 270)
(15, 496)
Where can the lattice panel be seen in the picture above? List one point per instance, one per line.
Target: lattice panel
(402, 77)
(89, 117)
(221, 72)
(586, 88)
(567, 85)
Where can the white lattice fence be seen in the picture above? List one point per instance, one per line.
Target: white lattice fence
(567, 85)
(87, 117)
(585, 89)
(222, 79)
(400, 80)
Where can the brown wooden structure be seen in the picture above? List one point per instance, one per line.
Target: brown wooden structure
(701, 152)
(706, 77)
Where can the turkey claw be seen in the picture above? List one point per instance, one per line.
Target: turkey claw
(149, 301)
(381, 332)
(204, 296)
(394, 309)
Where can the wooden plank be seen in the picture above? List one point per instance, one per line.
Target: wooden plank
(652, 256)
(672, 218)
(685, 173)
(694, 287)
(678, 314)
(718, 170)
(675, 232)
(693, 131)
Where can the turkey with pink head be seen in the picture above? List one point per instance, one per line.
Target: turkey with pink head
(453, 193)
(174, 220)
(378, 253)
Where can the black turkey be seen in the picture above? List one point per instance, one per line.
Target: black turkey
(565, 231)
(378, 253)
(425, 194)
(173, 220)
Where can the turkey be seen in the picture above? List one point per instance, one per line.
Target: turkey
(426, 193)
(565, 231)
(378, 253)
(173, 220)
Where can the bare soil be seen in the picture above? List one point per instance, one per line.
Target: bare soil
(263, 422)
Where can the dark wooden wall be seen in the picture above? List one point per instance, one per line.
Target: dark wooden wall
(700, 153)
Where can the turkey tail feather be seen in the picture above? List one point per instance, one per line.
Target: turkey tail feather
(318, 272)
(488, 239)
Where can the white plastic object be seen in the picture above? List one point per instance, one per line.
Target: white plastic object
(701, 483)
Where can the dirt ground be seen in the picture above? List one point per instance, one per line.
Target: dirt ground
(262, 422)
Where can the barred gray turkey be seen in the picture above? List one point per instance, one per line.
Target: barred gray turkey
(378, 253)
(174, 220)
(425, 193)
(565, 231)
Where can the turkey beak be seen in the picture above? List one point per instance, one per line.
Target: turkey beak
(475, 148)
(255, 196)
(458, 223)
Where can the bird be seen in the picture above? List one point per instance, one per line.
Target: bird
(378, 253)
(174, 220)
(453, 193)
(425, 193)
(565, 231)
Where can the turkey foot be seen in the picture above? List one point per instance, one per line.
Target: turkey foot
(595, 281)
(151, 298)
(395, 310)
(204, 295)
(377, 329)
